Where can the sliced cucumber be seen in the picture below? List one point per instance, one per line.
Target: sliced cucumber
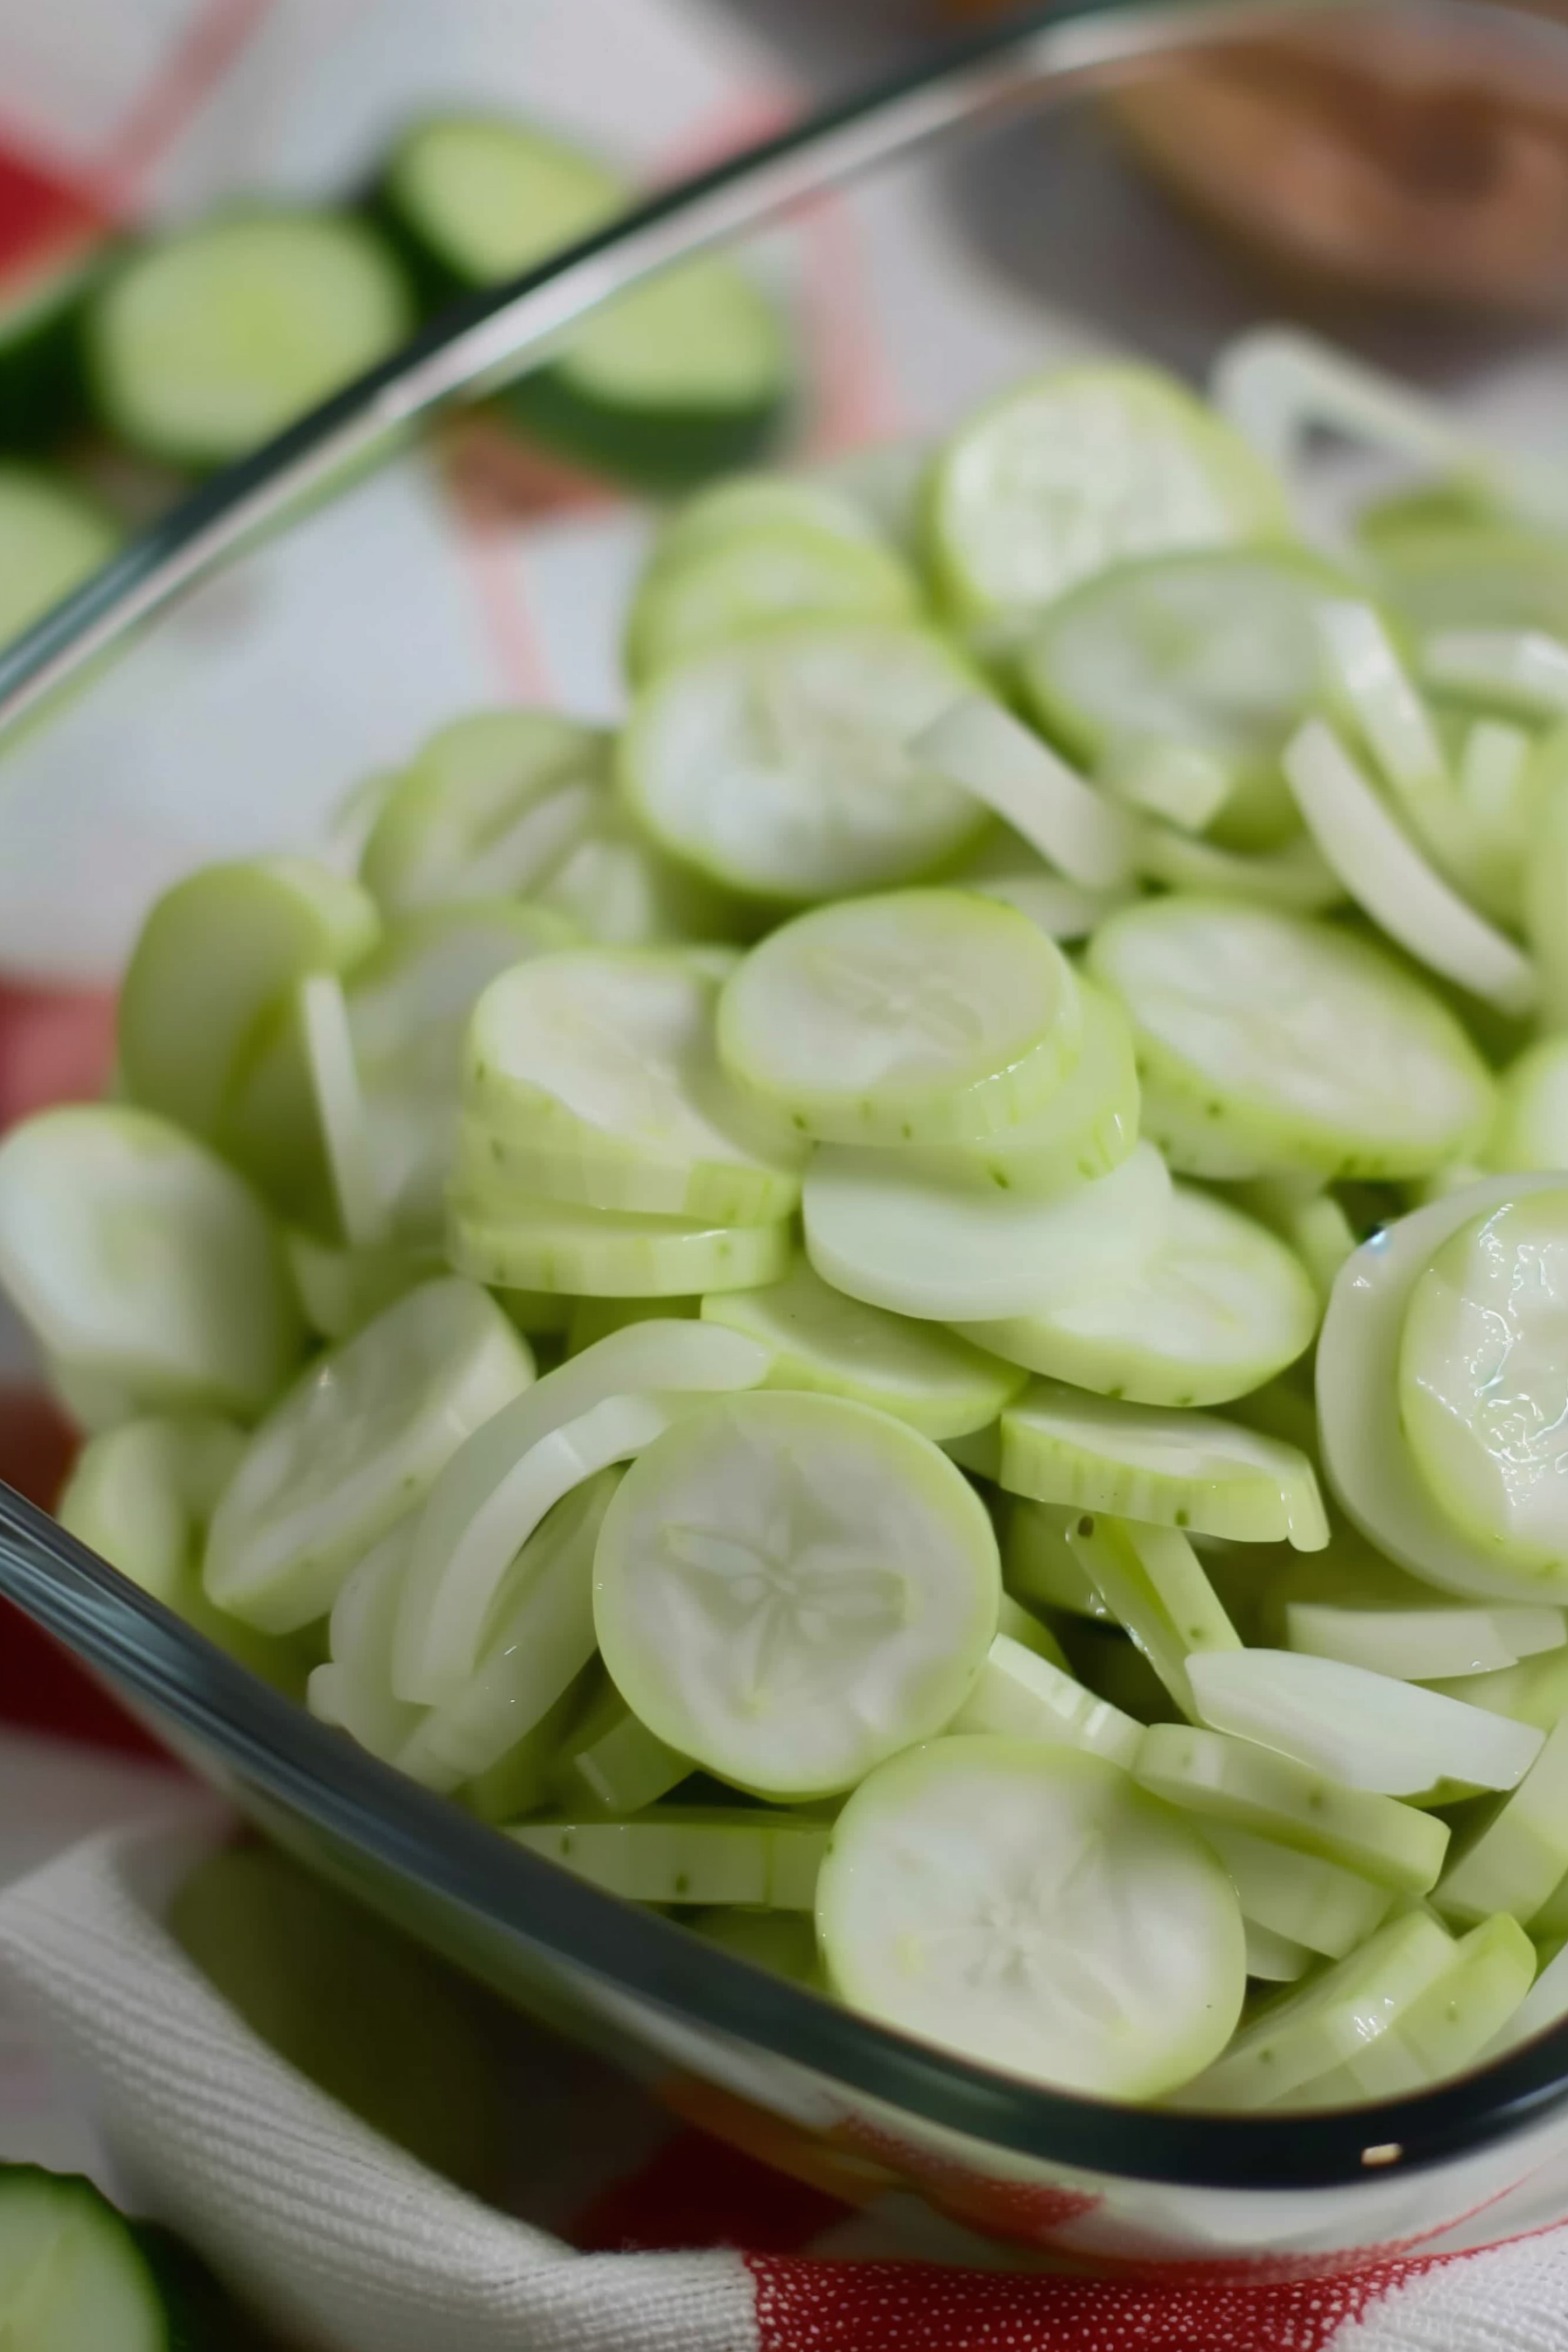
(1312, 1222)
(1212, 655)
(1297, 879)
(1216, 1309)
(1353, 1605)
(1544, 2005)
(1274, 1960)
(1484, 572)
(1030, 1907)
(822, 1340)
(1531, 1131)
(1362, 1729)
(496, 1487)
(1297, 1044)
(1085, 1126)
(694, 597)
(1029, 1632)
(979, 745)
(918, 1016)
(341, 1289)
(1040, 1564)
(1299, 1897)
(1152, 1582)
(210, 341)
(519, 1782)
(1535, 1691)
(686, 377)
(1175, 1469)
(73, 2272)
(351, 1161)
(354, 1688)
(1340, 2013)
(788, 1588)
(622, 891)
(142, 1494)
(740, 506)
(1516, 1856)
(1244, 1787)
(612, 1763)
(605, 1058)
(51, 538)
(1078, 469)
(608, 1254)
(475, 816)
(503, 1172)
(1524, 670)
(1452, 2020)
(218, 956)
(538, 1638)
(41, 390)
(780, 765)
(1022, 1696)
(1004, 866)
(1365, 1451)
(783, 1942)
(679, 1854)
(949, 1254)
(1386, 874)
(1546, 874)
(352, 1446)
(139, 1258)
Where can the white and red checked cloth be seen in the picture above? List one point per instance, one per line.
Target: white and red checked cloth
(629, 2231)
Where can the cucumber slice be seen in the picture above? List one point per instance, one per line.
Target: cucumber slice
(781, 764)
(1480, 573)
(744, 505)
(1169, 782)
(1364, 1730)
(352, 1446)
(950, 1255)
(208, 341)
(1212, 657)
(538, 1637)
(605, 1253)
(1175, 1469)
(1299, 1897)
(1531, 1131)
(1516, 1856)
(353, 1689)
(1152, 1582)
(519, 1782)
(1274, 1960)
(789, 1588)
(72, 2272)
(1022, 1696)
(1302, 2036)
(1040, 1566)
(821, 1341)
(980, 746)
(1305, 1047)
(1085, 1126)
(1452, 2020)
(468, 818)
(51, 538)
(218, 955)
(499, 1169)
(918, 1016)
(686, 377)
(1244, 1787)
(137, 1257)
(621, 891)
(339, 1097)
(1079, 468)
(691, 1854)
(339, 1290)
(142, 1494)
(1353, 1606)
(1296, 878)
(1030, 1631)
(1386, 874)
(1370, 1464)
(612, 1763)
(1217, 1308)
(1535, 1691)
(1313, 1224)
(608, 1055)
(41, 391)
(1481, 1360)
(497, 1486)
(1544, 2005)
(1031, 1908)
(1524, 670)
(1546, 874)
(1003, 866)
(691, 598)
(783, 1942)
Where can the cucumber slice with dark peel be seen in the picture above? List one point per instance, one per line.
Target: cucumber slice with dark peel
(687, 376)
(51, 538)
(42, 391)
(72, 2273)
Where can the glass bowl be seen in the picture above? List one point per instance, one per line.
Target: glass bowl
(457, 570)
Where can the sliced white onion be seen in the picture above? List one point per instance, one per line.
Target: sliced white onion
(340, 1107)
(981, 747)
(1523, 668)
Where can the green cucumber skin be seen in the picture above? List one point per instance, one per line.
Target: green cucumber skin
(196, 2313)
(663, 452)
(43, 382)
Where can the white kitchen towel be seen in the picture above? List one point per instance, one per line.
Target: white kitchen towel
(352, 2246)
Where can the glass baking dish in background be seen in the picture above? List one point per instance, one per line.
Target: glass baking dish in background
(239, 719)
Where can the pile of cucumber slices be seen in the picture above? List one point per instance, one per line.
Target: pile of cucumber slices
(188, 347)
(918, 1305)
